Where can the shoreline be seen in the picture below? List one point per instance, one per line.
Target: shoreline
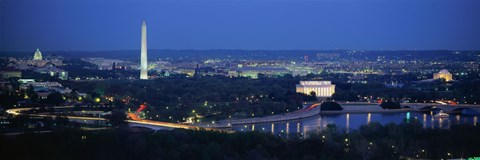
(229, 124)
(367, 111)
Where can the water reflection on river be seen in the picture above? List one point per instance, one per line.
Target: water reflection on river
(348, 122)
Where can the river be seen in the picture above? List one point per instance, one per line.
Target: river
(351, 121)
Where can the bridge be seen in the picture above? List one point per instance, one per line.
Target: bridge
(299, 114)
(448, 108)
(310, 110)
(154, 125)
(157, 125)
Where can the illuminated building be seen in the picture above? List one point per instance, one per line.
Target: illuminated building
(63, 75)
(321, 88)
(104, 63)
(443, 74)
(143, 53)
(232, 74)
(52, 71)
(9, 73)
(190, 72)
(37, 61)
(37, 55)
(300, 70)
(23, 81)
(43, 89)
(252, 72)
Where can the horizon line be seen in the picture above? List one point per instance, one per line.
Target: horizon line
(250, 50)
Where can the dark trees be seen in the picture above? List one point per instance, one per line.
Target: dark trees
(390, 105)
(330, 106)
(55, 98)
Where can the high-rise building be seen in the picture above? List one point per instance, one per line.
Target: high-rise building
(143, 53)
(37, 55)
(321, 88)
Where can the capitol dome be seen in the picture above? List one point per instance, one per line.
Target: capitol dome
(37, 55)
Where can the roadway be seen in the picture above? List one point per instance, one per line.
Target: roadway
(18, 111)
(228, 122)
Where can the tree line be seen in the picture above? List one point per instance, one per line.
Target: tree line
(373, 141)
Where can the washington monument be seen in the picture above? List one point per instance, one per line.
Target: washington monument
(143, 52)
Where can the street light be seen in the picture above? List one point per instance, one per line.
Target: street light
(426, 153)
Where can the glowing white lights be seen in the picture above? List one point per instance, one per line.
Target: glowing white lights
(321, 88)
(143, 53)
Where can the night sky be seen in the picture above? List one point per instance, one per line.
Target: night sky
(91, 25)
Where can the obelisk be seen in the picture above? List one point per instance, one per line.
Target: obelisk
(143, 52)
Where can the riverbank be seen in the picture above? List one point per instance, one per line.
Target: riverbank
(367, 111)
(365, 108)
(347, 109)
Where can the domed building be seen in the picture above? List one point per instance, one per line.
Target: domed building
(39, 61)
(41, 65)
(37, 55)
(443, 74)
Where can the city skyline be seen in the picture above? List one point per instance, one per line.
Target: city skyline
(250, 25)
(239, 79)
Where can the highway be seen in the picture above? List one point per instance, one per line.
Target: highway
(18, 111)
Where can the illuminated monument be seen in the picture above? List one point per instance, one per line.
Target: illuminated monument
(143, 52)
(37, 55)
(321, 88)
(443, 74)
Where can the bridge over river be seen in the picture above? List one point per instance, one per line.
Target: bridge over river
(314, 109)
(309, 110)
(448, 108)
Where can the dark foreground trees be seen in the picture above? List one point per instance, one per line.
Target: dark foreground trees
(212, 97)
(55, 98)
(407, 140)
(390, 105)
